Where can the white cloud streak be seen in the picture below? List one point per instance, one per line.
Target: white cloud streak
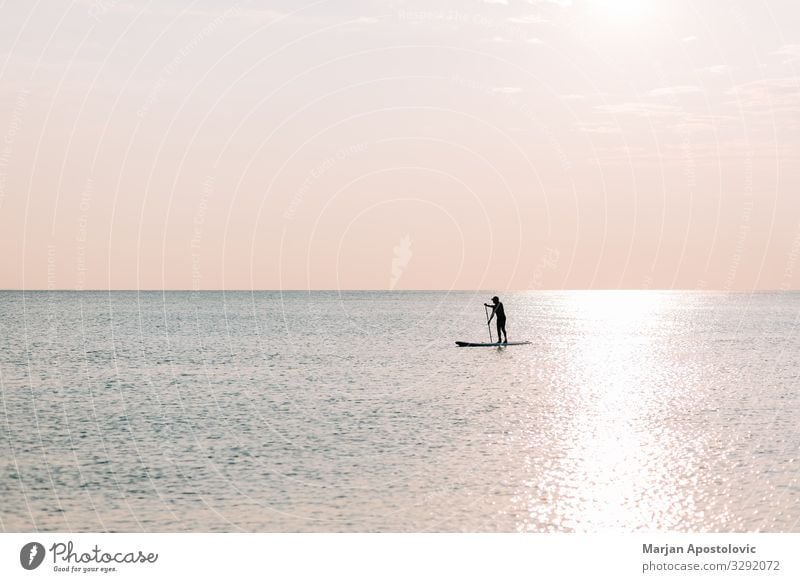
(675, 91)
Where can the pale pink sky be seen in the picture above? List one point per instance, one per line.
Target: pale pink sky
(503, 144)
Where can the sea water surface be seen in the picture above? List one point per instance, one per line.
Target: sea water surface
(354, 411)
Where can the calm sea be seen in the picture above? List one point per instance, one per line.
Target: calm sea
(354, 411)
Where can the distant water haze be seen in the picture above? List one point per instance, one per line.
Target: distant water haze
(354, 411)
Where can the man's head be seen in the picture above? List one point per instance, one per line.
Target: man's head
(495, 300)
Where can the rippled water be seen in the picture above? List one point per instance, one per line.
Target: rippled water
(354, 411)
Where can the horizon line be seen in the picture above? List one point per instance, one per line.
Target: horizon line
(238, 290)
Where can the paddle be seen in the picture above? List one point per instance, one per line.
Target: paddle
(488, 323)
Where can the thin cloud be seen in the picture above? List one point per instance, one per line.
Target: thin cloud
(689, 39)
(640, 109)
(734, 149)
(675, 91)
(768, 95)
(692, 126)
(529, 19)
(559, 3)
(789, 52)
(507, 90)
(717, 70)
(666, 115)
(503, 2)
(235, 13)
(621, 155)
(598, 127)
(700, 122)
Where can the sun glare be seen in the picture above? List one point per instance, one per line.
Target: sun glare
(622, 11)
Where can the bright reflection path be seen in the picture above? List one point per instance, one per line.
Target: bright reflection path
(619, 449)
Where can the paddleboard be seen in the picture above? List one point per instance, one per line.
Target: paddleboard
(487, 345)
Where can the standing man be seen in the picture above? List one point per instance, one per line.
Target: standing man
(497, 309)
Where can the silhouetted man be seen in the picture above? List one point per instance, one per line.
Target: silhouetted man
(497, 309)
